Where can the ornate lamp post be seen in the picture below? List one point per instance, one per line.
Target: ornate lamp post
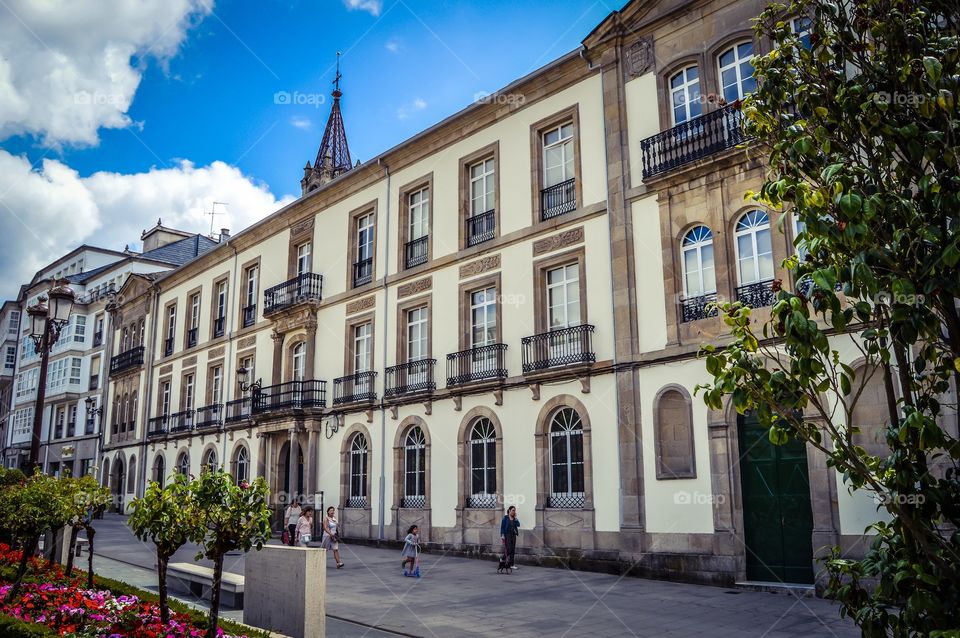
(242, 377)
(95, 413)
(46, 322)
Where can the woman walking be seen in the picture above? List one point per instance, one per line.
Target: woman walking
(290, 517)
(305, 527)
(331, 535)
(509, 530)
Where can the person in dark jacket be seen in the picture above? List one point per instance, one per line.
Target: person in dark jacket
(509, 530)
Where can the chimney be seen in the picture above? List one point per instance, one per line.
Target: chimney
(224, 233)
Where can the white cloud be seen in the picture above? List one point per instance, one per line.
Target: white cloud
(70, 68)
(47, 212)
(393, 45)
(373, 7)
(300, 122)
(407, 110)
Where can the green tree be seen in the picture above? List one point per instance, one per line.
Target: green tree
(860, 123)
(233, 517)
(168, 517)
(28, 509)
(85, 495)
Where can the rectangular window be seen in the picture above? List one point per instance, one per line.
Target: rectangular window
(362, 342)
(75, 370)
(419, 218)
(165, 398)
(558, 155)
(221, 300)
(216, 385)
(247, 364)
(563, 297)
(14, 322)
(363, 267)
(80, 328)
(171, 322)
(10, 357)
(481, 187)
(188, 392)
(483, 317)
(417, 334)
(303, 259)
(251, 291)
(195, 312)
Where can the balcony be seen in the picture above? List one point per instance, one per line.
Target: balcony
(157, 426)
(192, 334)
(292, 395)
(693, 140)
(249, 315)
(415, 251)
(218, 326)
(695, 308)
(127, 360)
(477, 364)
(305, 287)
(238, 410)
(181, 421)
(363, 272)
(355, 388)
(97, 339)
(168, 346)
(481, 227)
(411, 377)
(757, 295)
(560, 347)
(209, 416)
(558, 199)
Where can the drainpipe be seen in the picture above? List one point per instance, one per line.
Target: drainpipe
(144, 406)
(228, 365)
(386, 315)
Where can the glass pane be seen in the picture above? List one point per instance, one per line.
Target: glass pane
(745, 50)
(726, 58)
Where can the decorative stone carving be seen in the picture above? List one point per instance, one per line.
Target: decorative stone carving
(393, 412)
(428, 408)
(558, 241)
(216, 352)
(457, 403)
(498, 397)
(302, 226)
(638, 58)
(412, 288)
(485, 264)
(247, 342)
(535, 391)
(359, 305)
(585, 385)
(190, 361)
(167, 369)
(369, 416)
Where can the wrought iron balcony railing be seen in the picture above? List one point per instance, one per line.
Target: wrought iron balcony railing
(126, 360)
(238, 410)
(305, 287)
(560, 347)
(757, 295)
(249, 315)
(410, 378)
(693, 140)
(292, 395)
(363, 272)
(415, 252)
(356, 501)
(219, 324)
(558, 199)
(192, 334)
(694, 308)
(209, 416)
(182, 421)
(477, 364)
(157, 426)
(355, 388)
(413, 502)
(481, 227)
(168, 346)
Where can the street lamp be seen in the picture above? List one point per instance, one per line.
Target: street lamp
(242, 376)
(46, 322)
(94, 412)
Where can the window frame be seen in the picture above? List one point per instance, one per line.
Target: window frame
(540, 269)
(753, 231)
(488, 152)
(353, 232)
(406, 192)
(697, 247)
(735, 65)
(685, 86)
(538, 177)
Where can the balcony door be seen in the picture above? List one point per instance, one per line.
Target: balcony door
(299, 372)
(558, 155)
(563, 310)
(483, 330)
(304, 267)
(362, 358)
(417, 344)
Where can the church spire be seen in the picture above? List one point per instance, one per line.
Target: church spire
(333, 158)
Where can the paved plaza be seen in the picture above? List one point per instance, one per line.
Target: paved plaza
(465, 597)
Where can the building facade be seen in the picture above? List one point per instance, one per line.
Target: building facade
(504, 310)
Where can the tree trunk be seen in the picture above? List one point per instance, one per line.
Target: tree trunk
(215, 595)
(29, 547)
(73, 545)
(90, 533)
(162, 584)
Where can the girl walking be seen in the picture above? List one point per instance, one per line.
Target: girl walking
(331, 535)
(411, 545)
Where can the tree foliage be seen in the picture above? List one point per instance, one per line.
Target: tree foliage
(860, 123)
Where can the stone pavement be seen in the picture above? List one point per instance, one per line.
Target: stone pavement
(465, 597)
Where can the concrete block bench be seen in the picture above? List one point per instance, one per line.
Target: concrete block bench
(200, 581)
(81, 543)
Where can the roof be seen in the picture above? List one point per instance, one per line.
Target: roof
(87, 275)
(180, 252)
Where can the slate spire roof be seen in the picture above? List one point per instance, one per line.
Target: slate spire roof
(333, 158)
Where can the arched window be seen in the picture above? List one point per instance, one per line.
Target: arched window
(210, 460)
(566, 459)
(183, 464)
(414, 468)
(754, 248)
(159, 469)
(673, 427)
(483, 464)
(736, 71)
(299, 361)
(699, 278)
(241, 464)
(685, 94)
(359, 452)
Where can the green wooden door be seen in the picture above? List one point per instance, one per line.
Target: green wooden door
(777, 519)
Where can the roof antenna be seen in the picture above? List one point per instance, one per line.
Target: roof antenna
(213, 211)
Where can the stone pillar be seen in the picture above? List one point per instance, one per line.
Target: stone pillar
(309, 365)
(292, 463)
(297, 606)
(277, 338)
(310, 471)
(262, 456)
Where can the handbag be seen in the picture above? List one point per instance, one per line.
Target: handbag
(306, 538)
(285, 537)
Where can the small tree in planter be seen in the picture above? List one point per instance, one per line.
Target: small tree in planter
(167, 517)
(233, 517)
(86, 495)
(27, 510)
(8, 479)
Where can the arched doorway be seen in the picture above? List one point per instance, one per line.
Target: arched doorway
(117, 484)
(283, 467)
(777, 516)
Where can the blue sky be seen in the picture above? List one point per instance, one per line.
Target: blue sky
(114, 113)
